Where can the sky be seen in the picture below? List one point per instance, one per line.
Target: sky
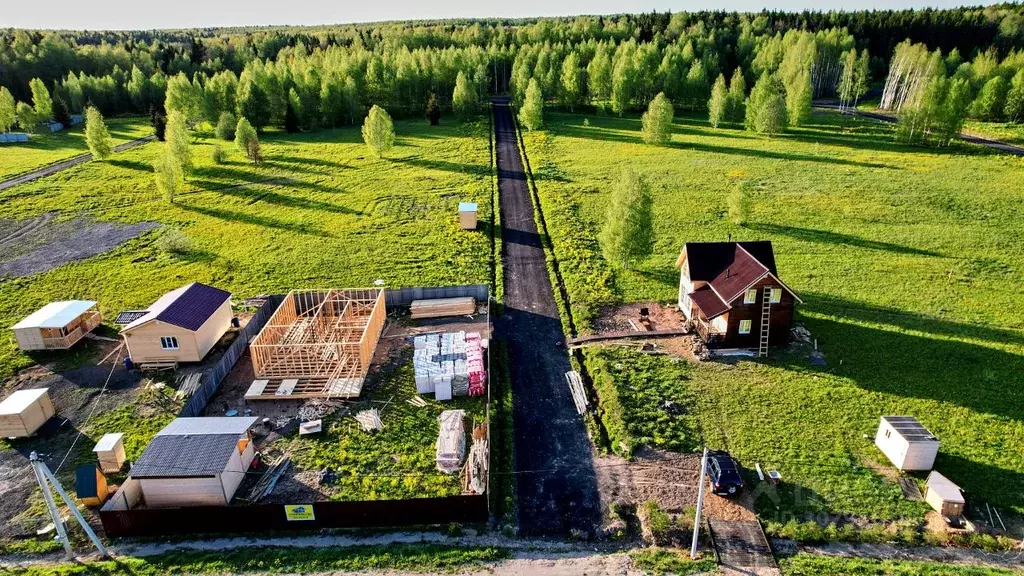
(149, 14)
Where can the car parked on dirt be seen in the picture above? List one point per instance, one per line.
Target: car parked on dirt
(724, 473)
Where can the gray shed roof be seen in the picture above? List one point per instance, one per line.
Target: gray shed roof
(208, 425)
(174, 456)
(945, 488)
(909, 428)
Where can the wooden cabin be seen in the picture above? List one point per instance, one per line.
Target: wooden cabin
(732, 294)
(57, 326)
(195, 462)
(182, 326)
(24, 412)
(907, 443)
(90, 485)
(944, 496)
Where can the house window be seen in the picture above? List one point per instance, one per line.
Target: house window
(744, 326)
(751, 296)
(776, 296)
(169, 342)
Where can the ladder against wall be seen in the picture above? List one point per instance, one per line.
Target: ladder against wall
(766, 318)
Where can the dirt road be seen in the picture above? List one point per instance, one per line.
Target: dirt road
(994, 145)
(65, 164)
(555, 474)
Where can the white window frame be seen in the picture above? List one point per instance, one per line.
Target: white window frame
(776, 296)
(165, 340)
(749, 324)
(750, 296)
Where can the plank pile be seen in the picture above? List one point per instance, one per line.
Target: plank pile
(265, 485)
(449, 365)
(370, 420)
(451, 441)
(442, 307)
(475, 479)
(579, 393)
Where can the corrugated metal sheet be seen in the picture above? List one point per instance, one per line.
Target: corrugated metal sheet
(210, 425)
(55, 314)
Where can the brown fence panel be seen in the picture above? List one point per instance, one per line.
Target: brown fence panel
(272, 517)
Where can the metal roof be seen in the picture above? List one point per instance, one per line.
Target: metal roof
(108, 442)
(188, 307)
(945, 488)
(129, 316)
(17, 402)
(209, 425)
(55, 314)
(185, 456)
(909, 428)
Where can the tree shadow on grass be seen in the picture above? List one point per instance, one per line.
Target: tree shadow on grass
(262, 221)
(444, 165)
(828, 237)
(131, 165)
(254, 196)
(289, 161)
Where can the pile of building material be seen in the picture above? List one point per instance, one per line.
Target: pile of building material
(475, 479)
(449, 365)
(579, 393)
(265, 485)
(370, 420)
(451, 441)
(442, 307)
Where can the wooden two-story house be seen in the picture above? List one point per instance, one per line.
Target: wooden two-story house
(732, 294)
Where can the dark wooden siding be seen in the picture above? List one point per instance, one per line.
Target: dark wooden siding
(778, 331)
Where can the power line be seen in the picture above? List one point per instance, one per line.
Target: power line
(96, 402)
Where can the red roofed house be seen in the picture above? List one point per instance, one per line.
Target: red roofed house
(733, 295)
(181, 326)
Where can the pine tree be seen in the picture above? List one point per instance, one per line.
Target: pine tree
(465, 99)
(8, 110)
(656, 122)
(572, 81)
(378, 131)
(766, 107)
(1014, 109)
(737, 96)
(628, 231)
(433, 110)
(96, 135)
(41, 101)
(158, 121)
(718, 105)
(531, 114)
(244, 135)
(178, 141)
(291, 119)
(60, 112)
(225, 129)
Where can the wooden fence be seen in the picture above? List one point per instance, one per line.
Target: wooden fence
(212, 379)
(469, 509)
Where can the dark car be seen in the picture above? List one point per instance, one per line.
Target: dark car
(724, 473)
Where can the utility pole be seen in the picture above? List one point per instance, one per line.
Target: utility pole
(700, 503)
(46, 480)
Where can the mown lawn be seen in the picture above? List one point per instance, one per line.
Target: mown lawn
(811, 565)
(1002, 131)
(43, 149)
(319, 212)
(909, 261)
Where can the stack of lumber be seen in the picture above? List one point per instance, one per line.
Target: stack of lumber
(475, 479)
(579, 394)
(370, 420)
(451, 441)
(265, 485)
(442, 307)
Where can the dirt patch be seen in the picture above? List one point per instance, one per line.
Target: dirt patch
(618, 318)
(39, 244)
(668, 479)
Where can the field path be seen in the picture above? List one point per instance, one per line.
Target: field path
(993, 144)
(65, 164)
(555, 475)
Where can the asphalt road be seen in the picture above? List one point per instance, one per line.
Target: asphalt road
(65, 164)
(994, 145)
(556, 481)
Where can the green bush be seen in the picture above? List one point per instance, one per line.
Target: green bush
(174, 241)
(218, 154)
(226, 127)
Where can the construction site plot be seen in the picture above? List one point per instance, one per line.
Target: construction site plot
(381, 445)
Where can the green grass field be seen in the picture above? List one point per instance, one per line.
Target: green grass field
(319, 212)
(43, 149)
(909, 262)
(1002, 131)
(810, 565)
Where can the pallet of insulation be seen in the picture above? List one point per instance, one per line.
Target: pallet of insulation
(441, 307)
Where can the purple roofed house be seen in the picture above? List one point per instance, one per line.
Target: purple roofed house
(181, 326)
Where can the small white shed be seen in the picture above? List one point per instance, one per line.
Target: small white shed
(57, 326)
(467, 215)
(944, 496)
(24, 412)
(907, 443)
(110, 452)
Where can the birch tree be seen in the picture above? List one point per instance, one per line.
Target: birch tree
(628, 231)
(378, 131)
(531, 114)
(7, 110)
(41, 101)
(96, 135)
(718, 105)
(656, 122)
